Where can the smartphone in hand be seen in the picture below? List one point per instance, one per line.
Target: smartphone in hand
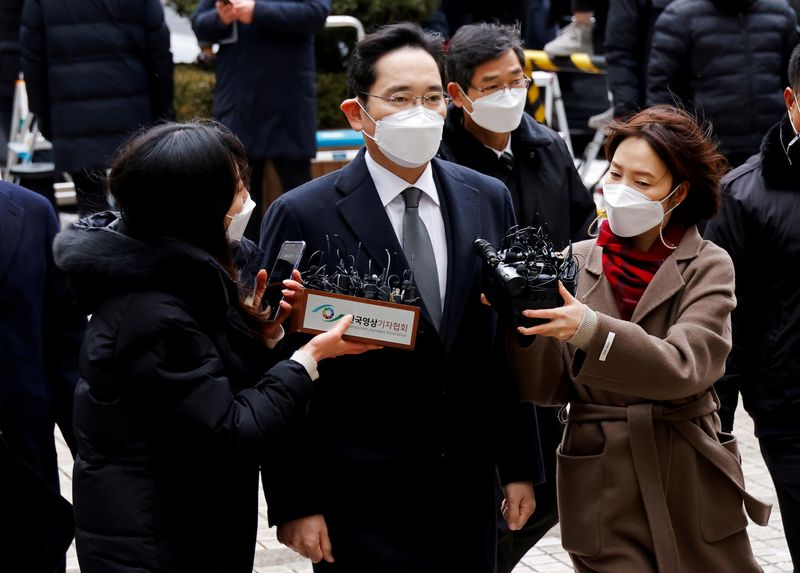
(288, 259)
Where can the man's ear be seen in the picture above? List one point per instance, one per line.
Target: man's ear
(455, 92)
(788, 97)
(352, 112)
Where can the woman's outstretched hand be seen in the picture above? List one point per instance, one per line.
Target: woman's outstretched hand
(563, 321)
(330, 344)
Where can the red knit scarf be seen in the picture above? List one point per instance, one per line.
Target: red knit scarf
(629, 270)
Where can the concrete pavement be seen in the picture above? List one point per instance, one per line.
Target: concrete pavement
(769, 544)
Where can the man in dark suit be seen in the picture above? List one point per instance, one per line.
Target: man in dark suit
(40, 337)
(400, 453)
(488, 130)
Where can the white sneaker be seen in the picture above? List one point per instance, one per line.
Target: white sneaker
(572, 39)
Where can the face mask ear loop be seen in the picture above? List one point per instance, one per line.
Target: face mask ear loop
(375, 123)
(472, 103)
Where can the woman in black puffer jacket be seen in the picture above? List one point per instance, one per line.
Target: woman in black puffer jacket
(180, 397)
(725, 61)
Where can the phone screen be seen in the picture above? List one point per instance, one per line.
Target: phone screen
(288, 258)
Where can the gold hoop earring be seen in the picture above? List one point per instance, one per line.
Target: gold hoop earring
(596, 226)
(661, 234)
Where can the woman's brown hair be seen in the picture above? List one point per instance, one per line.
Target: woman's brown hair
(688, 152)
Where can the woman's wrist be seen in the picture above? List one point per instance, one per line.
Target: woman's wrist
(586, 329)
(272, 342)
(307, 361)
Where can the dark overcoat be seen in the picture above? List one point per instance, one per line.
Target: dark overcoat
(646, 481)
(96, 72)
(394, 434)
(266, 92)
(758, 226)
(40, 338)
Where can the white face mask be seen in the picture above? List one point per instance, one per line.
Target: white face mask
(239, 221)
(409, 138)
(500, 112)
(629, 212)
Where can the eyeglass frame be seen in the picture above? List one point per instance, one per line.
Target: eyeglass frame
(446, 99)
(482, 91)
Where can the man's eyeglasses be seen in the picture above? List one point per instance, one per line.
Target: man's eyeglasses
(403, 100)
(522, 82)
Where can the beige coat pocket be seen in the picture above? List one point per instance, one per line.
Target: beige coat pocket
(580, 498)
(720, 507)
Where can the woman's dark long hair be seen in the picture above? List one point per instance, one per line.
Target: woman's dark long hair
(177, 181)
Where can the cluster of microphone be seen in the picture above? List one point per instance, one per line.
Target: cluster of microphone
(523, 273)
(337, 271)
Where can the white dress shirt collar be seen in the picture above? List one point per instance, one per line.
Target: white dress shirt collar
(389, 185)
(506, 150)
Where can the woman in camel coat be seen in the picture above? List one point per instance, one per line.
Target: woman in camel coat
(646, 480)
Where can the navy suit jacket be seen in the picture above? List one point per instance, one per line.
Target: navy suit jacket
(444, 415)
(40, 337)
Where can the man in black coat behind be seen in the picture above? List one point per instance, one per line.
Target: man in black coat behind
(486, 129)
(96, 72)
(725, 61)
(629, 34)
(758, 226)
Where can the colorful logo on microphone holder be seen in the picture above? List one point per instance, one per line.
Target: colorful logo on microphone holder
(328, 313)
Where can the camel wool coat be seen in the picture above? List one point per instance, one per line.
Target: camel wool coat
(646, 480)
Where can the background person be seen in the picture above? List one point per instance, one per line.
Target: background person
(407, 439)
(646, 482)
(10, 12)
(265, 91)
(758, 227)
(629, 35)
(725, 62)
(180, 399)
(487, 129)
(40, 338)
(96, 71)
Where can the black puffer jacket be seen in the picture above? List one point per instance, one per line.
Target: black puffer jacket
(758, 226)
(96, 71)
(174, 410)
(544, 185)
(629, 33)
(726, 61)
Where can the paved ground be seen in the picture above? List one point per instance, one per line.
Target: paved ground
(768, 542)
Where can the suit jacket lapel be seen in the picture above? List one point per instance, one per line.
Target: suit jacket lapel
(461, 214)
(361, 209)
(12, 219)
